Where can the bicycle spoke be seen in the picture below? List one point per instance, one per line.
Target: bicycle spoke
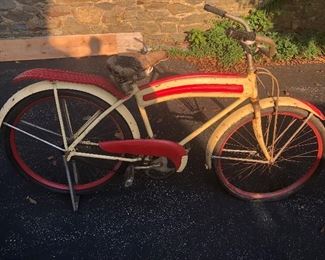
(278, 139)
(240, 151)
(293, 136)
(296, 146)
(60, 117)
(34, 136)
(239, 144)
(254, 169)
(67, 117)
(305, 154)
(75, 172)
(303, 133)
(295, 139)
(281, 125)
(90, 119)
(250, 134)
(302, 144)
(239, 159)
(240, 176)
(47, 119)
(40, 128)
(267, 131)
(243, 170)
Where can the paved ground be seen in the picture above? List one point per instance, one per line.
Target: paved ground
(186, 217)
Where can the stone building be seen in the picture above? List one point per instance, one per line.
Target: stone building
(160, 21)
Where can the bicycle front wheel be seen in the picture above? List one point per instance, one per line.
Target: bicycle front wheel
(33, 139)
(242, 168)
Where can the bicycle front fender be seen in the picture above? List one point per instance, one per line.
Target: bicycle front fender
(248, 109)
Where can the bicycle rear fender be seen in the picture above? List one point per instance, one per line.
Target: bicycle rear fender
(248, 109)
(87, 88)
(41, 74)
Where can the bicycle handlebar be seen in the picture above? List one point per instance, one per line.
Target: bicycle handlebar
(269, 42)
(222, 13)
(241, 35)
(247, 35)
(215, 10)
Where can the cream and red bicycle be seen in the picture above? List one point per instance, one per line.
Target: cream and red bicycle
(72, 132)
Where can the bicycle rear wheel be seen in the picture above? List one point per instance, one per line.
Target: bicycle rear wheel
(37, 116)
(240, 164)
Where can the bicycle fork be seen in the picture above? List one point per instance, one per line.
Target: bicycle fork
(258, 131)
(270, 154)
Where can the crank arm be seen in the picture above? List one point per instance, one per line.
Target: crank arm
(147, 167)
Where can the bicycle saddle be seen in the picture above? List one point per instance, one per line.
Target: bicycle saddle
(133, 66)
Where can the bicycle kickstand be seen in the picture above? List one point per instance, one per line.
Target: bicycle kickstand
(129, 176)
(74, 197)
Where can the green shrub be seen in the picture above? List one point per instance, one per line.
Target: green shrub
(287, 49)
(226, 49)
(311, 50)
(214, 42)
(177, 52)
(321, 42)
(198, 42)
(259, 21)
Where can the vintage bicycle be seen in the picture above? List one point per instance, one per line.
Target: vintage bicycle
(71, 132)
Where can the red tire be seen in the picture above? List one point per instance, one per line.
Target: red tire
(42, 163)
(294, 167)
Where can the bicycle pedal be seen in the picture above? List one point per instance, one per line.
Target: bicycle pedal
(129, 176)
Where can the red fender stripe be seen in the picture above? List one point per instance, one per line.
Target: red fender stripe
(173, 151)
(203, 88)
(68, 76)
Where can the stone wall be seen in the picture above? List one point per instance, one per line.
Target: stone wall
(161, 21)
(300, 15)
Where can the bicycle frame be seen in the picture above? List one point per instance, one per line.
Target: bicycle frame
(215, 85)
(194, 86)
(242, 88)
(210, 85)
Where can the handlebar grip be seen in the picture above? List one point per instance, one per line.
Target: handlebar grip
(268, 41)
(241, 35)
(215, 10)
